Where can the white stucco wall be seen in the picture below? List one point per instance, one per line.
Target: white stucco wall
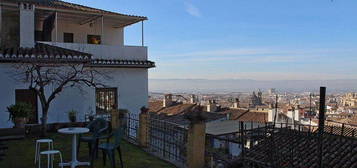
(27, 25)
(0, 24)
(107, 51)
(7, 94)
(132, 85)
(112, 36)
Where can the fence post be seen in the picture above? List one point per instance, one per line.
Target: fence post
(118, 118)
(321, 125)
(196, 139)
(242, 138)
(144, 127)
(342, 129)
(115, 119)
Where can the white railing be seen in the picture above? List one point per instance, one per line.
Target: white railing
(106, 51)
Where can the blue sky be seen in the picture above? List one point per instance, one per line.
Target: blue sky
(244, 39)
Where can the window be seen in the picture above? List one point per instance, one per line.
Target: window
(106, 100)
(30, 97)
(93, 39)
(68, 37)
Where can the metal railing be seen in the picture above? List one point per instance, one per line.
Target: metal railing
(132, 127)
(88, 117)
(221, 150)
(167, 140)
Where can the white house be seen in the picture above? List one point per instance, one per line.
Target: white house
(53, 30)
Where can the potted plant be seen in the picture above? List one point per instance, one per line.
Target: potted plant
(72, 116)
(19, 114)
(90, 114)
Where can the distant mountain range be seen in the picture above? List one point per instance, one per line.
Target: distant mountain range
(247, 85)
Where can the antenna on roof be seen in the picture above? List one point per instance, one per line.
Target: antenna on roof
(276, 108)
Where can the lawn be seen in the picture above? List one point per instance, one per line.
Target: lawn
(21, 154)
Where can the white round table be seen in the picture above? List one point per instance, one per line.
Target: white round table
(74, 131)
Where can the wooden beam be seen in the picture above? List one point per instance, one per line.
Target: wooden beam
(137, 18)
(56, 26)
(102, 31)
(142, 33)
(91, 13)
(89, 20)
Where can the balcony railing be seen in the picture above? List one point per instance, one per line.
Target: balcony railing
(106, 51)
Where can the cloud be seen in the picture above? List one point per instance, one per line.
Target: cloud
(257, 55)
(264, 63)
(247, 55)
(192, 10)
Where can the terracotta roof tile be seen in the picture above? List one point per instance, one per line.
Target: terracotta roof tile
(235, 113)
(181, 119)
(176, 109)
(338, 151)
(155, 106)
(53, 54)
(254, 117)
(58, 4)
(42, 52)
(122, 63)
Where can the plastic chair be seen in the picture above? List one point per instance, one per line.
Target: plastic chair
(38, 147)
(98, 128)
(109, 148)
(50, 154)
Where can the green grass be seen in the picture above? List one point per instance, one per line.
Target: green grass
(21, 154)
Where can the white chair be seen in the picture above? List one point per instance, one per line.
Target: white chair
(38, 147)
(50, 157)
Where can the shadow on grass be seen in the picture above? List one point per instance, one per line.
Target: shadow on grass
(21, 154)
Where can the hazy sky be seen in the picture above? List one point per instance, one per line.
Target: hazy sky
(250, 39)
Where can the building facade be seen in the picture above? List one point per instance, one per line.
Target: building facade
(52, 32)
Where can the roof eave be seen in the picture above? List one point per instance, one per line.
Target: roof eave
(120, 66)
(44, 61)
(113, 14)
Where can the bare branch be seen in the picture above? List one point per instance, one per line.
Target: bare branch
(59, 76)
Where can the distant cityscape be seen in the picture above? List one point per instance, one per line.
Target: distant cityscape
(232, 86)
(299, 107)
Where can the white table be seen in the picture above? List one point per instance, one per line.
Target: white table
(74, 132)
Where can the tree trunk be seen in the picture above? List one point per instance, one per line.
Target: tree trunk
(44, 121)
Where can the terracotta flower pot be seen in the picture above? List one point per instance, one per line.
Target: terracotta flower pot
(20, 122)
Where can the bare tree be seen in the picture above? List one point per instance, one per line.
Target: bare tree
(49, 80)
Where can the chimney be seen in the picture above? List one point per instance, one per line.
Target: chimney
(229, 116)
(167, 100)
(297, 113)
(236, 103)
(212, 106)
(27, 25)
(271, 115)
(271, 105)
(193, 99)
(0, 24)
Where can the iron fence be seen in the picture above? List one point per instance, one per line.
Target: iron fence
(131, 121)
(221, 150)
(167, 140)
(90, 117)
